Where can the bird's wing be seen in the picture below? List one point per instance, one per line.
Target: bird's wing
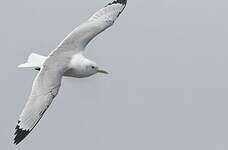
(78, 39)
(45, 88)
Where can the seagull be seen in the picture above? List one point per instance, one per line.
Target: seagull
(66, 59)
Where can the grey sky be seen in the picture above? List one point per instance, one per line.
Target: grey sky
(168, 83)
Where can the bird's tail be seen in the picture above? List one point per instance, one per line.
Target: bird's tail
(34, 61)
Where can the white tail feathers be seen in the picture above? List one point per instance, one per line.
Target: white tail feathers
(34, 61)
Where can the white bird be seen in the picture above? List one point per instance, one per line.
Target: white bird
(66, 60)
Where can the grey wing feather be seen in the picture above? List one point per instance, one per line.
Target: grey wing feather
(78, 39)
(45, 88)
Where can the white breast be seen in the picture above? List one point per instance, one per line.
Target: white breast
(78, 67)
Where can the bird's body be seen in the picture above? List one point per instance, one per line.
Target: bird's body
(66, 60)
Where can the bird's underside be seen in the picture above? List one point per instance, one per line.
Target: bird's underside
(51, 68)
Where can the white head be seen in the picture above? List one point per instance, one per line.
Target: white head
(92, 68)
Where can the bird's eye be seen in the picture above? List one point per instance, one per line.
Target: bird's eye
(92, 67)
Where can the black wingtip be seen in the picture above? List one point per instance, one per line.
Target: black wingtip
(123, 2)
(20, 134)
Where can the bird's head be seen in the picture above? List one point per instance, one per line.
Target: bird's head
(92, 68)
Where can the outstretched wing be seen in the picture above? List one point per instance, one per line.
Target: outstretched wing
(45, 88)
(78, 39)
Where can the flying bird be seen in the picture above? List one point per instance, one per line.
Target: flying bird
(66, 59)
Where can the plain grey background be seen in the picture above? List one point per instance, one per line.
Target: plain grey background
(167, 87)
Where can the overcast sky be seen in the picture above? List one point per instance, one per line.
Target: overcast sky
(168, 82)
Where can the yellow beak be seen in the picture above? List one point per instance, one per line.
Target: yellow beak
(102, 71)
